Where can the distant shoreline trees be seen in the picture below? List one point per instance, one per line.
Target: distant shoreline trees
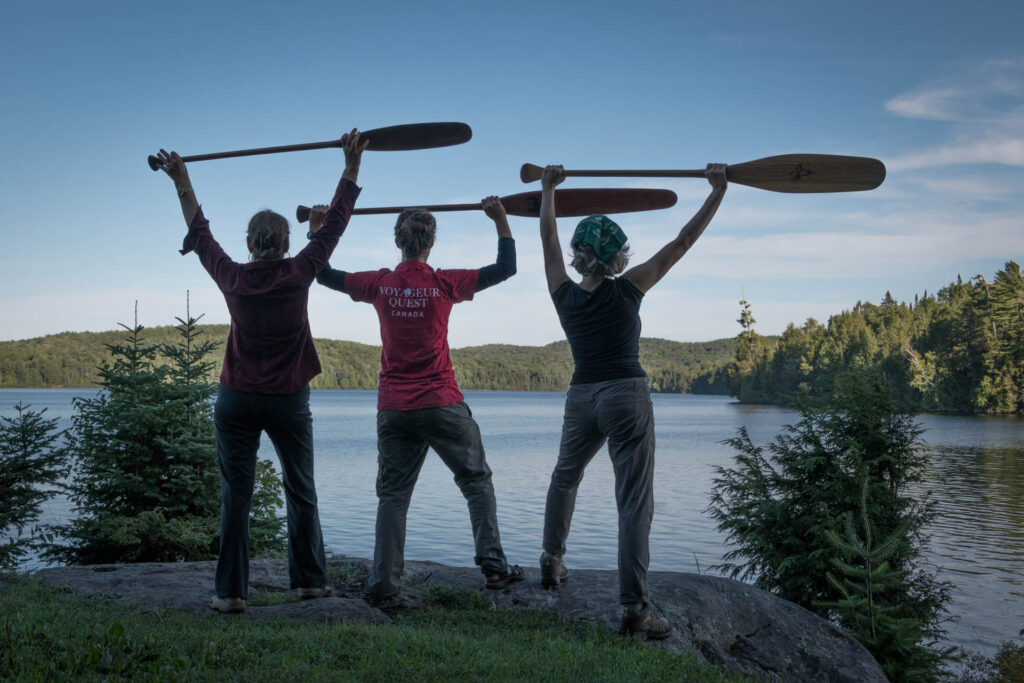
(71, 359)
(961, 350)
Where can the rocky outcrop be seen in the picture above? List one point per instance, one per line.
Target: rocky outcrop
(737, 626)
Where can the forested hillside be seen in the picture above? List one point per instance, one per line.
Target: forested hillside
(70, 359)
(961, 350)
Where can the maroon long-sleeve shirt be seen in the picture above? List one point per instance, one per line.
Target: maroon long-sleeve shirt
(270, 347)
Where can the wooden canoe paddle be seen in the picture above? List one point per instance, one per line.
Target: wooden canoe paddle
(783, 173)
(391, 139)
(572, 202)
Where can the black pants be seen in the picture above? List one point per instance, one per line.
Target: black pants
(239, 418)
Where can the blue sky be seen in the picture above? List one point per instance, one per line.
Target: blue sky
(933, 89)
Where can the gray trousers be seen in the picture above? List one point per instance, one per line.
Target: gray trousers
(620, 412)
(403, 437)
(239, 418)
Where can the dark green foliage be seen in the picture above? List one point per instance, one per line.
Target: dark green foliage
(784, 509)
(1005, 666)
(673, 367)
(872, 607)
(32, 465)
(961, 350)
(146, 484)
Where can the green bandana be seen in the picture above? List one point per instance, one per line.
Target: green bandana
(601, 233)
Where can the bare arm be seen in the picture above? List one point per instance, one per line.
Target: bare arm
(172, 165)
(554, 265)
(647, 274)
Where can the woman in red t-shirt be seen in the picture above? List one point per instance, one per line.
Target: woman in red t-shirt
(418, 402)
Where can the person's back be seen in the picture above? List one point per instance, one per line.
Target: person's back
(413, 304)
(419, 403)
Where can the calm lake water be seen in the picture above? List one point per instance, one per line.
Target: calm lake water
(976, 474)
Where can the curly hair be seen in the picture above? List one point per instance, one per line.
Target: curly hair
(268, 236)
(585, 261)
(415, 231)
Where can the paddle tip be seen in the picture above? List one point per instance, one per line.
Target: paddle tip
(530, 172)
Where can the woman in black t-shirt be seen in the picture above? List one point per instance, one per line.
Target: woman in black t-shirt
(608, 399)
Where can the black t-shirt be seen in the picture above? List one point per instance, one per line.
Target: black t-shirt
(603, 329)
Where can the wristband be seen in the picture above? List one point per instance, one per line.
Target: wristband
(182, 191)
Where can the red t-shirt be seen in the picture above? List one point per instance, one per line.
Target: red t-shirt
(413, 303)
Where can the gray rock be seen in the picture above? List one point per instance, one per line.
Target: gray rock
(732, 624)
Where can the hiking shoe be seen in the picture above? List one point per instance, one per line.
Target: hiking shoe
(641, 621)
(314, 592)
(227, 605)
(552, 570)
(498, 580)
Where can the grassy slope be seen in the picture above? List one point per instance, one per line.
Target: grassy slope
(51, 634)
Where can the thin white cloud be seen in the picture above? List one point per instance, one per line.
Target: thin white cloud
(984, 106)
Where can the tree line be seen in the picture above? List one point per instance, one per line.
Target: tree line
(960, 350)
(72, 359)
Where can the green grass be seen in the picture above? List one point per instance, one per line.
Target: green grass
(54, 634)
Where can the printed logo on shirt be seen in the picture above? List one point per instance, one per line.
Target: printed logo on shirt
(409, 302)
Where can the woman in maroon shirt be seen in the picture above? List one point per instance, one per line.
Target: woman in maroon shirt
(264, 385)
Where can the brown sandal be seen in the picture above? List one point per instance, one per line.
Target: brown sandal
(512, 574)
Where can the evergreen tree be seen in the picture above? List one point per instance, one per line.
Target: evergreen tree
(32, 465)
(783, 507)
(747, 373)
(147, 484)
(871, 607)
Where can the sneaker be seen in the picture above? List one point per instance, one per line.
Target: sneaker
(641, 621)
(552, 570)
(227, 605)
(314, 592)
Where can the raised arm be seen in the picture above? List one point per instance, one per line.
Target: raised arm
(172, 165)
(505, 265)
(647, 274)
(554, 263)
(328, 277)
(332, 220)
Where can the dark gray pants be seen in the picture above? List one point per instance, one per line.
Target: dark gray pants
(239, 418)
(403, 437)
(620, 412)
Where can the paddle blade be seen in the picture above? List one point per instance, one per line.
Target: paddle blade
(809, 173)
(417, 136)
(583, 202)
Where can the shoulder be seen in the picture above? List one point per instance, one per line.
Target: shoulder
(625, 287)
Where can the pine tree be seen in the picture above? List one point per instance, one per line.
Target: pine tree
(32, 466)
(871, 607)
(147, 484)
(782, 508)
